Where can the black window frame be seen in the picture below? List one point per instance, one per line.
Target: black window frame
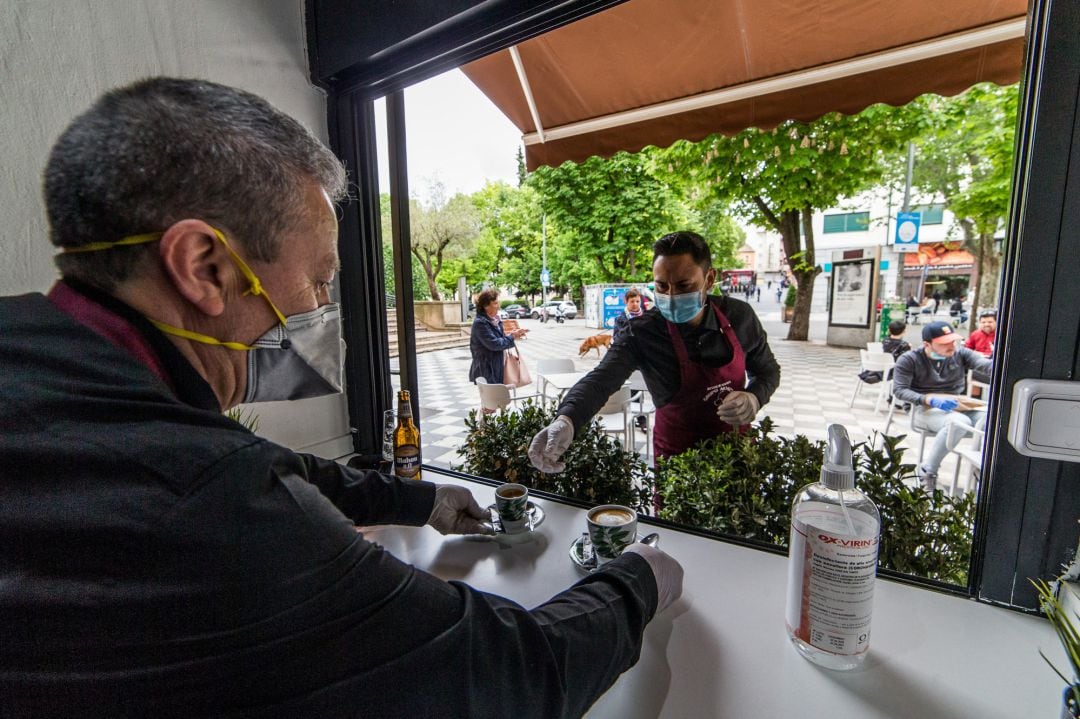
(1026, 524)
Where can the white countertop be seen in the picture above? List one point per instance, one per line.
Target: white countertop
(722, 651)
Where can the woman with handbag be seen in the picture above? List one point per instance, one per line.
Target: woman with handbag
(487, 342)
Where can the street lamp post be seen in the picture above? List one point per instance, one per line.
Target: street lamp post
(543, 260)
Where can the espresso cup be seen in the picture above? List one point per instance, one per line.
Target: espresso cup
(612, 527)
(511, 502)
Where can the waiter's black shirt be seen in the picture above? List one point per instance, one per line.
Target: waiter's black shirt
(646, 345)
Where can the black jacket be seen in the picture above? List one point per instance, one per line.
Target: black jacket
(646, 345)
(158, 559)
(487, 343)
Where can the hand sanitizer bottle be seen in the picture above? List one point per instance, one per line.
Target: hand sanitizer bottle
(832, 563)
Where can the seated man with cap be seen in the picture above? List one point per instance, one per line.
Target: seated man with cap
(933, 379)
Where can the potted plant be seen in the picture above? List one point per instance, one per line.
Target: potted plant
(789, 304)
(598, 470)
(743, 485)
(1070, 639)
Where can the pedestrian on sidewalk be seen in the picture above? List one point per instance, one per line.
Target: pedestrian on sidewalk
(487, 340)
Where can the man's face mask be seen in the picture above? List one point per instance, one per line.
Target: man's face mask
(300, 357)
(680, 308)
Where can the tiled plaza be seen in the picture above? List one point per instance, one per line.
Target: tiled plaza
(817, 382)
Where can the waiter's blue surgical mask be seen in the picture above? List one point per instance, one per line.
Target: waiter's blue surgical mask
(680, 309)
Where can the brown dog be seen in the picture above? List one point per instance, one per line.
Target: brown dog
(594, 343)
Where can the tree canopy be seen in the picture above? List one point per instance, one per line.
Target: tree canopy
(776, 179)
(965, 158)
(610, 211)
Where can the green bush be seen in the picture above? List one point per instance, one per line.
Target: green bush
(789, 298)
(598, 471)
(744, 485)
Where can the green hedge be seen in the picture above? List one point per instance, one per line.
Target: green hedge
(744, 485)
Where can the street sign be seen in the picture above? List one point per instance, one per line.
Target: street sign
(545, 278)
(907, 231)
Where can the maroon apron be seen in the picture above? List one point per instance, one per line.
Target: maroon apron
(691, 415)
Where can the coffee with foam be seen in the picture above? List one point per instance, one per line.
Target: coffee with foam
(611, 517)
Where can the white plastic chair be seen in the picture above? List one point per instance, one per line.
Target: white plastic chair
(614, 417)
(642, 406)
(875, 346)
(494, 397)
(911, 426)
(971, 452)
(972, 383)
(551, 366)
(874, 362)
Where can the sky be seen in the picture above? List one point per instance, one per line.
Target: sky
(454, 135)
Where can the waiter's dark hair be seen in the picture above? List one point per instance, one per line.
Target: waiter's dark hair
(684, 243)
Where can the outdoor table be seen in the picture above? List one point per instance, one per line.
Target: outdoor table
(722, 650)
(562, 381)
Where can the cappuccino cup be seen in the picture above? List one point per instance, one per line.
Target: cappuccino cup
(612, 527)
(511, 502)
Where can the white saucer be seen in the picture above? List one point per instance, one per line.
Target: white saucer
(581, 553)
(534, 514)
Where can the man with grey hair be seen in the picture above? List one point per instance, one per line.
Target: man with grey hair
(159, 559)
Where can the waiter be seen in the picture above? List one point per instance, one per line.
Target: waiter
(705, 359)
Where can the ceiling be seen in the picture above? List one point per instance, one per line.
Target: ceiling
(650, 72)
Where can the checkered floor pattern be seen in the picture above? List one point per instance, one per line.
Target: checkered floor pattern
(816, 387)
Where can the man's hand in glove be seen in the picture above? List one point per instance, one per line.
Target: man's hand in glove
(456, 512)
(550, 443)
(944, 402)
(738, 408)
(667, 572)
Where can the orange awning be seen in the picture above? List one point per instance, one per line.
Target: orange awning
(650, 72)
(939, 256)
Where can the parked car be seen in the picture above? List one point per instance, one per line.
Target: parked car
(569, 309)
(517, 312)
(504, 315)
(563, 308)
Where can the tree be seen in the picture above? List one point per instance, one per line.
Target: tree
(441, 229)
(777, 178)
(965, 156)
(610, 211)
(419, 283)
(511, 218)
(522, 172)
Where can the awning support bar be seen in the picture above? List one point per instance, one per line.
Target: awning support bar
(524, 80)
(988, 35)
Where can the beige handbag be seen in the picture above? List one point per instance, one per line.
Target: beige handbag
(515, 373)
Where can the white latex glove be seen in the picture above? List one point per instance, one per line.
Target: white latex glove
(738, 408)
(456, 512)
(667, 571)
(550, 443)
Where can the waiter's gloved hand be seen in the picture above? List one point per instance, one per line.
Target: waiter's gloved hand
(456, 512)
(738, 408)
(668, 573)
(550, 443)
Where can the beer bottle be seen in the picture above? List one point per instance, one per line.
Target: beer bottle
(406, 440)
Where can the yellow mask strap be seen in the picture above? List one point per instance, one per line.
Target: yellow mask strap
(196, 337)
(98, 246)
(254, 286)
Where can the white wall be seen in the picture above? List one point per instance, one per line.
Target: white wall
(57, 57)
